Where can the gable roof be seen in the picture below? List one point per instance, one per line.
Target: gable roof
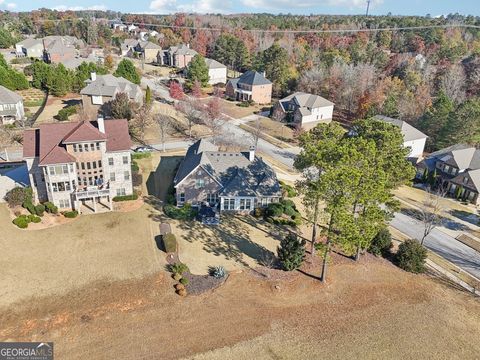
(182, 49)
(237, 175)
(408, 131)
(30, 42)
(469, 179)
(48, 142)
(305, 100)
(8, 96)
(253, 78)
(109, 85)
(214, 64)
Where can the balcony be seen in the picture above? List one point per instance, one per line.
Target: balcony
(92, 191)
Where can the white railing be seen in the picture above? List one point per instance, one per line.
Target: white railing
(79, 195)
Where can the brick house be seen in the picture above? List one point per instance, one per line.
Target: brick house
(176, 56)
(231, 181)
(78, 164)
(251, 86)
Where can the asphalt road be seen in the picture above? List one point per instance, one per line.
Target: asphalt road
(444, 245)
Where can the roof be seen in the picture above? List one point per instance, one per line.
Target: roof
(182, 49)
(109, 85)
(74, 63)
(461, 156)
(8, 96)
(30, 42)
(145, 45)
(214, 64)
(252, 78)
(48, 142)
(408, 131)
(237, 175)
(469, 179)
(305, 100)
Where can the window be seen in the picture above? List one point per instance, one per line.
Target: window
(92, 147)
(199, 183)
(99, 163)
(446, 168)
(248, 204)
(61, 186)
(229, 204)
(242, 204)
(80, 148)
(58, 169)
(94, 164)
(64, 203)
(85, 147)
(98, 145)
(71, 167)
(83, 166)
(74, 147)
(112, 176)
(125, 160)
(212, 198)
(182, 198)
(88, 166)
(97, 100)
(465, 179)
(121, 192)
(126, 175)
(110, 161)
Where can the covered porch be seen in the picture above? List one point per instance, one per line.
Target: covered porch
(93, 201)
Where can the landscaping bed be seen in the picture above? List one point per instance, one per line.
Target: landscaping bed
(199, 284)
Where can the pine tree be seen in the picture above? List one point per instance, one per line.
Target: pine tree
(197, 70)
(126, 69)
(291, 252)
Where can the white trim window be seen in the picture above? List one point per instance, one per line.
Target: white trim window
(112, 176)
(199, 183)
(110, 161)
(181, 198)
(97, 100)
(125, 160)
(126, 175)
(121, 192)
(212, 198)
(245, 204)
(229, 204)
(64, 203)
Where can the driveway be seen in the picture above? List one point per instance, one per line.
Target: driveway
(158, 88)
(442, 244)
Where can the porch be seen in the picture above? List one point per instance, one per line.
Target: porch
(93, 200)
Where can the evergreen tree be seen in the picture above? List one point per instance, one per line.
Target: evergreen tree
(148, 96)
(126, 69)
(231, 51)
(121, 107)
(197, 70)
(274, 61)
(411, 256)
(10, 78)
(291, 252)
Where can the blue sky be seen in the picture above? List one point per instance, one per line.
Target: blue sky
(378, 7)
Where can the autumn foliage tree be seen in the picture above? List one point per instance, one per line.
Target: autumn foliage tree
(176, 90)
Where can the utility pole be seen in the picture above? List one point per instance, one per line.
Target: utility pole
(368, 7)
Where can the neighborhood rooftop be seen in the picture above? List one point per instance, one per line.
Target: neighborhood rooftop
(109, 85)
(408, 131)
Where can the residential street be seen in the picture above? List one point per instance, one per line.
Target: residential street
(444, 245)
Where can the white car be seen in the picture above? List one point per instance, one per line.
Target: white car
(142, 149)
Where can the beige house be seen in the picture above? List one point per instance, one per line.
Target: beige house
(217, 72)
(306, 110)
(101, 89)
(11, 106)
(231, 181)
(176, 56)
(251, 86)
(79, 164)
(148, 50)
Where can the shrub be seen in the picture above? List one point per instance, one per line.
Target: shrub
(21, 221)
(34, 219)
(218, 272)
(177, 277)
(27, 204)
(141, 155)
(135, 167)
(182, 292)
(64, 113)
(50, 207)
(169, 243)
(178, 268)
(134, 196)
(70, 214)
(186, 212)
(274, 209)
(40, 209)
(18, 195)
(288, 190)
(184, 281)
(179, 287)
(381, 243)
(411, 256)
(291, 252)
(259, 212)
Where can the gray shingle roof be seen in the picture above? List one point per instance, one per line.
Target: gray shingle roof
(29, 42)
(252, 77)
(8, 96)
(182, 50)
(233, 170)
(109, 85)
(214, 64)
(408, 131)
(468, 179)
(305, 100)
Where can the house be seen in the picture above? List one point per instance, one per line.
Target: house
(176, 56)
(12, 174)
(128, 46)
(11, 106)
(217, 72)
(306, 110)
(58, 49)
(79, 163)
(148, 50)
(30, 47)
(101, 89)
(456, 169)
(233, 181)
(412, 138)
(251, 86)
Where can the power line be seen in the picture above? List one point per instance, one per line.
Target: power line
(310, 31)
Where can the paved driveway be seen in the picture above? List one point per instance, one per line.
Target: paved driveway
(444, 245)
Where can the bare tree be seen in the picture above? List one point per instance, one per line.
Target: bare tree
(190, 109)
(453, 83)
(431, 213)
(143, 119)
(213, 118)
(164, 120)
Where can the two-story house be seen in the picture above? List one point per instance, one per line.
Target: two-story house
(78, 164)
(148, 50)
(30, 47)
(456, 169)
(413, 138)
(11, 106)
(306, 110)
(101, 89)
(251, 86)
(232, 181)
(217, 72)
(176, 56)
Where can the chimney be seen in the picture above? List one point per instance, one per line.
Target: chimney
(251, 153)
(101, 124)
(188, 45)
(93, 76)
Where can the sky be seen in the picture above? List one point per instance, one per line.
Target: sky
(377, 7)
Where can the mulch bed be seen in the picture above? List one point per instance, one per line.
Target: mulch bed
(199, 284)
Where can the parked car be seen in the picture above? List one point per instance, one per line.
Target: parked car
(164, 101)
(142, 149)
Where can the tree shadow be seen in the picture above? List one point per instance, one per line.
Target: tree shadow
(444, 221)
(71, 102)
(469, 217)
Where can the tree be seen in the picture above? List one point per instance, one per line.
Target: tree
(121, 107)
(197, 70)
(126, 69)
(109, 62)
(274, 61)
(463, 125)
(231, 51)
(148, 96)
(411, 256)
(143, 119)
(164, 120)
(10, 78)
(382, 242)
(176, 90)
(18, 195)
(431, 213)
(454, 83)
(212, 117)
(196, 89)
(291, 252)
(190, 109)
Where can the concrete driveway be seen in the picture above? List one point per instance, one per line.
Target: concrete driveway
(444, 245)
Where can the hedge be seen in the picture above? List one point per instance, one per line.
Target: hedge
(21, 221)
(50, 207)
(169, 243)
(186, 212)
(125, 197)
(64, 113)
(70, 214)
(141, 155)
